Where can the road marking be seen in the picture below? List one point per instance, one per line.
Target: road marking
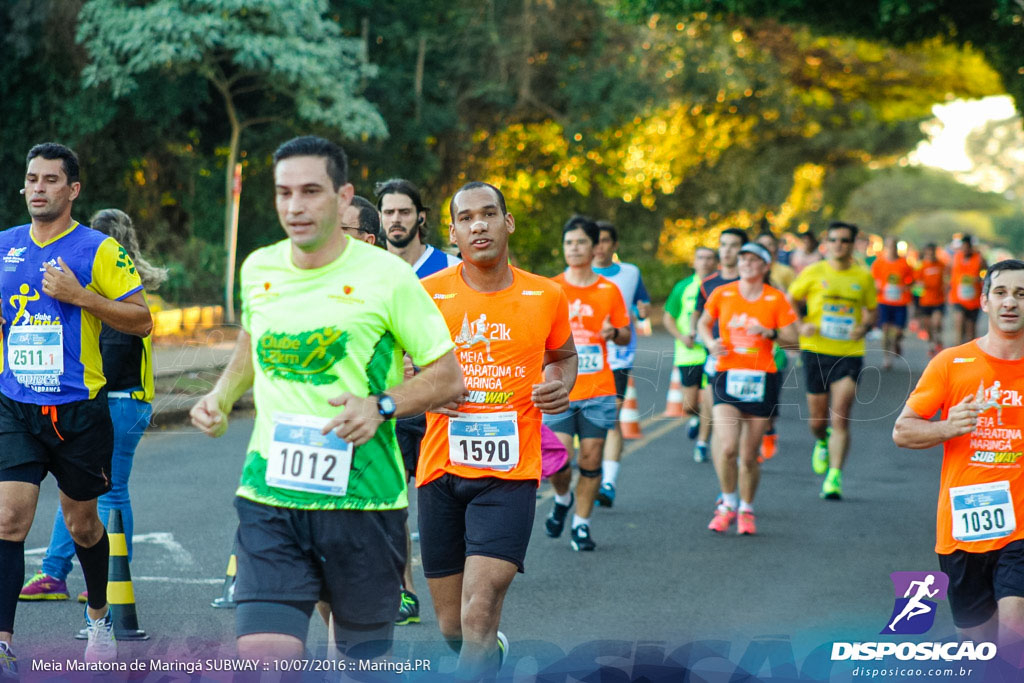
(175, 579)
(181, 557)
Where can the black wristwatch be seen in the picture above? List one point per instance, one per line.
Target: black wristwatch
(386, 406)
(773, 334)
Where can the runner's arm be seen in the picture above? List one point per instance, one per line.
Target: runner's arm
(672, 327)
(714, 346)
(913, 431)
(129, 315)
(560, 365)
(789, 337)
(210, 413)
(867, 321)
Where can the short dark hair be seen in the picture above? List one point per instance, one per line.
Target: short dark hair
(967, 239)
(767, 233)
(606, 226)
(709, 249)
(841, 225)
(1007, 264)
(369, 219)
(738, 232)
(477, 185)
(587, 225)
(313, 146)
(54, 150)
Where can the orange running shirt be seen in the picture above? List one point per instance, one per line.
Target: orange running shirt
(588, 308)
(931, 276)
(982, 480)
(747, 351)
(500, 340)
(892, 280)
(965, 281)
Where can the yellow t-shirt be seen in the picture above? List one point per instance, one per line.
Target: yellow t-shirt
(836, 300)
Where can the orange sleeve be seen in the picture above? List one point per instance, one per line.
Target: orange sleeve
(560, 327)
(714, 304)
(619, 315)
(929, 396)
(784, 313)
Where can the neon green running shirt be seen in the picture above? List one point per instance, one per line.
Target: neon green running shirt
(681, 305)
(318, 333)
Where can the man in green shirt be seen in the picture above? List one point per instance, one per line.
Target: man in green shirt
(690, 355)
(322, 499)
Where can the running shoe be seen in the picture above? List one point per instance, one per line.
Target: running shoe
(692, 427)
(581, 540)
(724, 517)
(746, 524)
(102, 646)
(819, 457)
(555, 523)
(44, 587)
(700, 452)
(832, 487)
(83, 597)
(8, 663)
(606, 495)
(502, 649)
(408, 609)
(769, 444)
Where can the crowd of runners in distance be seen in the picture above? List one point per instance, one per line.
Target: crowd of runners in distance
(378, 363)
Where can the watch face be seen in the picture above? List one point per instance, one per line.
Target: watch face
(386, 406)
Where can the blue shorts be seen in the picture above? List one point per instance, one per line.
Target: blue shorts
(892, 315)
(590, 418)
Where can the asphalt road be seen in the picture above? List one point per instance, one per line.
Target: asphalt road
(659, 584)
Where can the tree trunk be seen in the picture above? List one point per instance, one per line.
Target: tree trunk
(229, 205)
(421, 57)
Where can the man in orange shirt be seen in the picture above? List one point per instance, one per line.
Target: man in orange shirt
(978, 389)
(480, 459)
(751, 316)
(931, 306)
(965, 289)
(893, 280)
(597, 314)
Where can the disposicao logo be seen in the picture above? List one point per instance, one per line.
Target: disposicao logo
(916, 596)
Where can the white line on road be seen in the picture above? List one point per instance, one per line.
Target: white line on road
(181, 557)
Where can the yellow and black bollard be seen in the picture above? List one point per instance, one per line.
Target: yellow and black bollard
(227, 598)
(120, 594)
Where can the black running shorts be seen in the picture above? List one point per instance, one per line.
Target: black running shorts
(763, 406)
(821, 370)
(977, 581)
(692, 375)
(352, 559)
(74, 441)
(462, 517)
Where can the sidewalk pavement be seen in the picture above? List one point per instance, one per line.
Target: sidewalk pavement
(185, 370)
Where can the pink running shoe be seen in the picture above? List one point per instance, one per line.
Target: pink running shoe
(745, 524)
(44, 587)
(724, 516)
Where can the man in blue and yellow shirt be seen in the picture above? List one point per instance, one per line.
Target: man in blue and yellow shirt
(59, 282)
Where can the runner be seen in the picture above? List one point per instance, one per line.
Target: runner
(480, 462)
(780, 277)
(361, 221)
(965, 289)
(839, 300)
(128, 367)
(751, 316)
(690, 354)
(893, 280)
(597, 315)
(931, 276)
(54, 414)
(729, 244)
(979, 536)
(626, 277)
(807, 253)
(405, 220)
(322, 500)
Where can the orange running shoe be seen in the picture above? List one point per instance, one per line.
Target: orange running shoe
(768, 447)
(724, 517)
(745, 524)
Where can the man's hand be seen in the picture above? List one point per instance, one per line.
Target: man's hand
(808, 329)
(607, 329)
(359, 420)
(717, 347)
(756, 329)
(642, 309)
(858, 332)
(688, 341)
(550, 397)
(61, 284)
(963, 417)
(451, 409)
(208, 416)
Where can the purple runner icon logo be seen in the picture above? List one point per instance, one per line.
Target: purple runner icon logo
(916, 594)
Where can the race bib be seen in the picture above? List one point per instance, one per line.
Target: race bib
(967, 291)
(838, 327)
(35, 350)
(485, 440)
(982, 511)
(590, 359)
(745, 385)
(893, 292)
(709, 365)
(303, 459)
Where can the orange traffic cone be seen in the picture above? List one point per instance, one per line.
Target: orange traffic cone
(120, 594)
(227, 598)
(674, 400)
(629, 417)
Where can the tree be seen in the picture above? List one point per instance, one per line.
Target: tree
(255, 54)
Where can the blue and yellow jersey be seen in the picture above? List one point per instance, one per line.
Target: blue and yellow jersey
(51, 350)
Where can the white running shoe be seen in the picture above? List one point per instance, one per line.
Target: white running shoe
(102, 646)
